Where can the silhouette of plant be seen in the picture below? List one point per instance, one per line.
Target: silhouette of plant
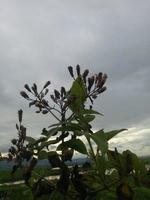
(111, 174)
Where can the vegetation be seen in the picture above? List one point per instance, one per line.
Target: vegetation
(112, 175)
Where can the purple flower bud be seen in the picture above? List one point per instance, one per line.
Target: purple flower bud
(90, 82)
(27, 87)
(47, 84)
(70, 69)
(57, 94)
(78, 70)
(20, 115)
(24, 95)
(84, 75)
(45, 112)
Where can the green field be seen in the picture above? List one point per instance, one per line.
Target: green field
(6, 176)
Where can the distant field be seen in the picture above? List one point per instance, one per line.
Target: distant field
(5, 175)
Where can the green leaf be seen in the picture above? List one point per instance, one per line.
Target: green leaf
(100, 139)
(111, 134)
(90, 112)
(78, 91)
(42, 155)
(55, 195)
(75, 144)
(142, 193)
(89, 118)
(30, 140)
(54, 159)
(70, 127)
(101, 163)
(51, 132)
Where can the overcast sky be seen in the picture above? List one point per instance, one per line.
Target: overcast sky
(39, 39)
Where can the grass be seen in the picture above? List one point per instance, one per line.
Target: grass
(5, 176)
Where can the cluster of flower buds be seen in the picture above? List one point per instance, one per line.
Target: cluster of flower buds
(78, 72)
(94, 84)
(38, 97)
(19, 150)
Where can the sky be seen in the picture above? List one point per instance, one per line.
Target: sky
(40, 39)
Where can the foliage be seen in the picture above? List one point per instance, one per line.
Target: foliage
(112, 175)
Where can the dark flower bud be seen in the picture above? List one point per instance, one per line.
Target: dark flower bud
(53, 98)
(78, 70)
(32, 103)
(100, 75)
(102, 89)
(38, 111)
(57, 94)
(70, 69)
(84, 75)
(90, 83)
(27, 87)
(46, 91)
(20, 115)
(63, 91)
(45, 112)
(47, 84)
(102, 80)
(42, 95)
(14, 141)
(94, 96)
(24, 95)
(34, 88)
(44, 102)
(17, 127)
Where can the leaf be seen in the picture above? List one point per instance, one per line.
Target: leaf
(54, 159)
(101, 141)
(101, 163)
(90, 112)
(51, 132)
(31, 140)
(42, 155)
(78, 91)
(89, 118)
(142, 193)
(111, 134)
(75, 144)
(56, 195)
(70, 127)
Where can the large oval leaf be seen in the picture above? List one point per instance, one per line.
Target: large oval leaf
(112, 133)
(101, 141)
(75, 144)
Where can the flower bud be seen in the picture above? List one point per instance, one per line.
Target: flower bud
(24, 95)
(20, 115)
(14, 141)
(63, 91)
(27, 87)
(47, 84)
(102, 89)
(46, 91)
(57, 94)
(32, 103)
(84, 75)
(90, 82)
(44, 102)
(78, 70)
(34, 88)
(45, 112)
(70, 69)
